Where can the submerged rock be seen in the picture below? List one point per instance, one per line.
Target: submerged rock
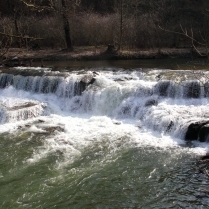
(151, 102)
(192, 89)
(52, 129)
(170, 126)
(198, 131)
(162, 88)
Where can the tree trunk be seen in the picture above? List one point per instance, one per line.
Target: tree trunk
(66, 27)
(121, 24)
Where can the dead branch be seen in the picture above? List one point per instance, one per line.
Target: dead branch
(191, 37)
(23, 37)
(39, 8)
(184, 33)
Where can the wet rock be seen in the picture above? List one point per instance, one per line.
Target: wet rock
(117, 122)
(171, 124)
(205, 157)
(81, 86)
(162, 88)
(126, 110)
(22, 106)
(6, 80)
(14, 62)
(119, 79)
(52, 129)
(123, 79)
(21, 111)
(95, 73)
(151, 102)
(196, 131)
(203, 135)
(41, 121)
(192, 89)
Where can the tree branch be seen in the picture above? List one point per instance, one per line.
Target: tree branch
(184, 33)
(24, 37)
(39, 8)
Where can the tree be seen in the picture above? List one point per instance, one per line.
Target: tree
(121, 25)
(186, 21)
(66, 26)
(59, 7)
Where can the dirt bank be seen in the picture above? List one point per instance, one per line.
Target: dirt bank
(92, 53)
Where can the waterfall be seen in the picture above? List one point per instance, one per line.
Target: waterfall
(21, 111)
(161, 105)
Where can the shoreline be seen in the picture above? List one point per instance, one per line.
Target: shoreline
(92, 53)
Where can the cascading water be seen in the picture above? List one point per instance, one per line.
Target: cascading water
(159, 105)
(85, 129)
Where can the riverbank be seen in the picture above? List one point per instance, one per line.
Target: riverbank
(101, 53)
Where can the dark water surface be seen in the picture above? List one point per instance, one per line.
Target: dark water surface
(133, 177)
(175, 63)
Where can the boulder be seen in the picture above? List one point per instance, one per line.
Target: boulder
(205, 157)
(197, 131)
(81, 85)
(204, 133)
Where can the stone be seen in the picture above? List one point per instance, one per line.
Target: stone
(203, 135)
(170, 126)
(205, 157)
(81, 85)
(151, 102)
(162, 88)
(192, 90)
(21, 110)
(193, 130)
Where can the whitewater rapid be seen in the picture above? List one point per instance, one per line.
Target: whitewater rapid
(118, 109)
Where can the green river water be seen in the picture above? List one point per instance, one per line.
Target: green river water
(96, 163)
(132, 177)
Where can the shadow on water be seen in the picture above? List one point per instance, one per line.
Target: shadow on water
(177, 63)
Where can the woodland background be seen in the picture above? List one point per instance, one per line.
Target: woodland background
(127, 24)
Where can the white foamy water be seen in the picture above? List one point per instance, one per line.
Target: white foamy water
(118, 110)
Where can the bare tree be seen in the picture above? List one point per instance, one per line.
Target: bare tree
(60, 7)
(66, 26)
(121, 25)
(195, 31)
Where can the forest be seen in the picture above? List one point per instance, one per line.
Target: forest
(124, 24)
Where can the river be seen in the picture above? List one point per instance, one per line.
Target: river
(101, 137)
